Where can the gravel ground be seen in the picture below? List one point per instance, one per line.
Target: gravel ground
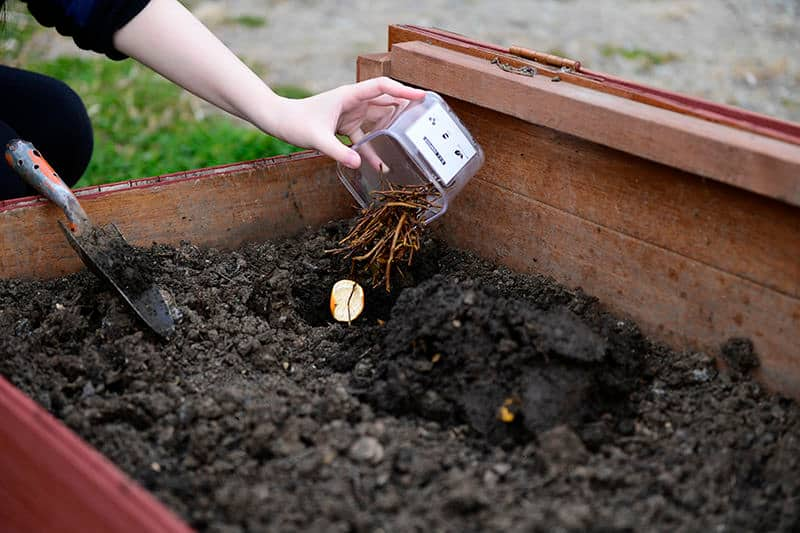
(738, 52)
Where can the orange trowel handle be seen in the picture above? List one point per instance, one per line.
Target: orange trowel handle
(26, 160)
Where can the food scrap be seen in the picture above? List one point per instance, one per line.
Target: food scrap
(347, 300)
(506, 413)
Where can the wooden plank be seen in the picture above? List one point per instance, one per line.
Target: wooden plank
(673, 298)
(752, 162)
(53, 481)
(370, 66)
(685, 104)
(693, 261)
(741, 233)
(221, 207)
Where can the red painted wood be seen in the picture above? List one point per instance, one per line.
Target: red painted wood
(97, 191)
(749, 161)
(711, 111)
(50, 480)
(220, 207)
(720, 113)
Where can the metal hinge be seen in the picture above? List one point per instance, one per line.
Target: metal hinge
(523, 71)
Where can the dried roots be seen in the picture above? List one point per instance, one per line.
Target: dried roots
(387, 233)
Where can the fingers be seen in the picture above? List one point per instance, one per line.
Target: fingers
(368, 153)
(357, 135)
(382, 110)
(387, 100)
(377, 101)
(378, 117)
(369, 89)
(333, 147)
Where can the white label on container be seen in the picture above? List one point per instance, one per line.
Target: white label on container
(441, 142)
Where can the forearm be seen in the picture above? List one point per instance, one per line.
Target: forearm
(166, 37)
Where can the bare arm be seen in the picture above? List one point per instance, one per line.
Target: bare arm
(166, 37)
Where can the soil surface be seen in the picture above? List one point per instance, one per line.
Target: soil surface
(470, 399)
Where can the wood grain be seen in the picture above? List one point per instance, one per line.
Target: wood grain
(600, 81)
(370, 66)
(741, 233)
(693, 261)
(738, 232)
(221, 207)
(752, 162)
(673, 298)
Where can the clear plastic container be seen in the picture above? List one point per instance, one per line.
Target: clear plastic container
(424, 143)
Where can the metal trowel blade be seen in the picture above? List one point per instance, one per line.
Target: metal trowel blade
(103, 250)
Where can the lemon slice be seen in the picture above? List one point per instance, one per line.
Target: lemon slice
(347, 300)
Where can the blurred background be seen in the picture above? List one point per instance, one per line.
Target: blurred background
(738, 52)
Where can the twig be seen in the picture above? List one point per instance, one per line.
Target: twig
(403, 218)
(388, 232)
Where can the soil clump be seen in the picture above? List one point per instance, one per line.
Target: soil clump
(470, 398)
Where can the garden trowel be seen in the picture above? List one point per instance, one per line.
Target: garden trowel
(102, 249)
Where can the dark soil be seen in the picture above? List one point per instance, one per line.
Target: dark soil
(470, 399)
(107, 251)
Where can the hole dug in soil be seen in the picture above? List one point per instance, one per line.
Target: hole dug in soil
(468, 399)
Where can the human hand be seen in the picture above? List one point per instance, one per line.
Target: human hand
(166, 37)
(314, 122)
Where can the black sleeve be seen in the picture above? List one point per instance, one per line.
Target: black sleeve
(91, 23)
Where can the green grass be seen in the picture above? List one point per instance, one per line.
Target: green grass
(647, 58)
(15, 29)
(143, 124)
(248, 21)
(792, 105)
